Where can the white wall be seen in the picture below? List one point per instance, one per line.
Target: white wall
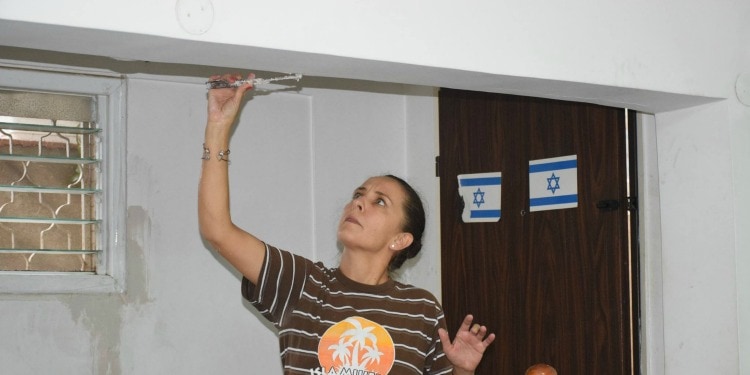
(699, 310)
(676, 59)
(296, 158)
(739, 120)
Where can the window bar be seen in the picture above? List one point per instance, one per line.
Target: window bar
(86, 138)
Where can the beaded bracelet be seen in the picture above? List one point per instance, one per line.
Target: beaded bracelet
(222, 156)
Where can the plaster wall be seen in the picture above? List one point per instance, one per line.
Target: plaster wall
(678, 60)
(296, 158)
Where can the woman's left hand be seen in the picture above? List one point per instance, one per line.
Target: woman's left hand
(467, 348)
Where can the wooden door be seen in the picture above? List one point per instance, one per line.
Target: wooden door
(554, 285)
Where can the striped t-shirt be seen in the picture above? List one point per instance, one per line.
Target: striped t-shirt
(331, 325)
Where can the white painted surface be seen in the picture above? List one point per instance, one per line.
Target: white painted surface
(651, 260)
(673, 59)
(658, 55)
(700, 306)
(516, 38)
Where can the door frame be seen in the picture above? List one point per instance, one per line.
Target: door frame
(652, 356)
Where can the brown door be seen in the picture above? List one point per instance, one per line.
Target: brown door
(554, 285)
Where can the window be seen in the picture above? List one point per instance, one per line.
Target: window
(62, 190)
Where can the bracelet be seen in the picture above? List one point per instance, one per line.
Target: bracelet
(222, 156)
(206, 153)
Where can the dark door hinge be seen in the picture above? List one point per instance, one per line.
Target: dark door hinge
(631, 203)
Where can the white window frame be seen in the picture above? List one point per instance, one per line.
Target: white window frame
(110, 93)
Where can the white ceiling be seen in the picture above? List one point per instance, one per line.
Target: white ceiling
(129, 53)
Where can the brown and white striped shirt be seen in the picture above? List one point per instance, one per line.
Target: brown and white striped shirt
(331, 325)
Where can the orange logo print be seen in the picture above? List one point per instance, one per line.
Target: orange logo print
(356, 346)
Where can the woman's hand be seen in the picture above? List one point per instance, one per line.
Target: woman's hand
(224, 104)
(467, 348)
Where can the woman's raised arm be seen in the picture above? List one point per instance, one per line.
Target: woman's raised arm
(244, 251)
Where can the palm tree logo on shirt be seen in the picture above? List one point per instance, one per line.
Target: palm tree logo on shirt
(356, 343)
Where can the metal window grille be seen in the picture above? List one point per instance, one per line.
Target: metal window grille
(50, 176)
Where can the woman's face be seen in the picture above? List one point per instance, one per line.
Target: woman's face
(375, 215)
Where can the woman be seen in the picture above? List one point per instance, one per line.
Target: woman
(353, 319)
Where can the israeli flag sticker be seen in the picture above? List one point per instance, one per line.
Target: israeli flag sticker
(481, 195)
(553, 183)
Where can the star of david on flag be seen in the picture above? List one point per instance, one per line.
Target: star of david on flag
(481, 195)
(553, 183)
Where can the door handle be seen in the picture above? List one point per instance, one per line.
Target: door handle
(608, 205)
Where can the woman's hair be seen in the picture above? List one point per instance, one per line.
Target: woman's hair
(414, 222)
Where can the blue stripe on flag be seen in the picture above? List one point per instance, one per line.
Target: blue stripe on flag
(481, 181)
(475, 214)
(565, 164)
(546, 201)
